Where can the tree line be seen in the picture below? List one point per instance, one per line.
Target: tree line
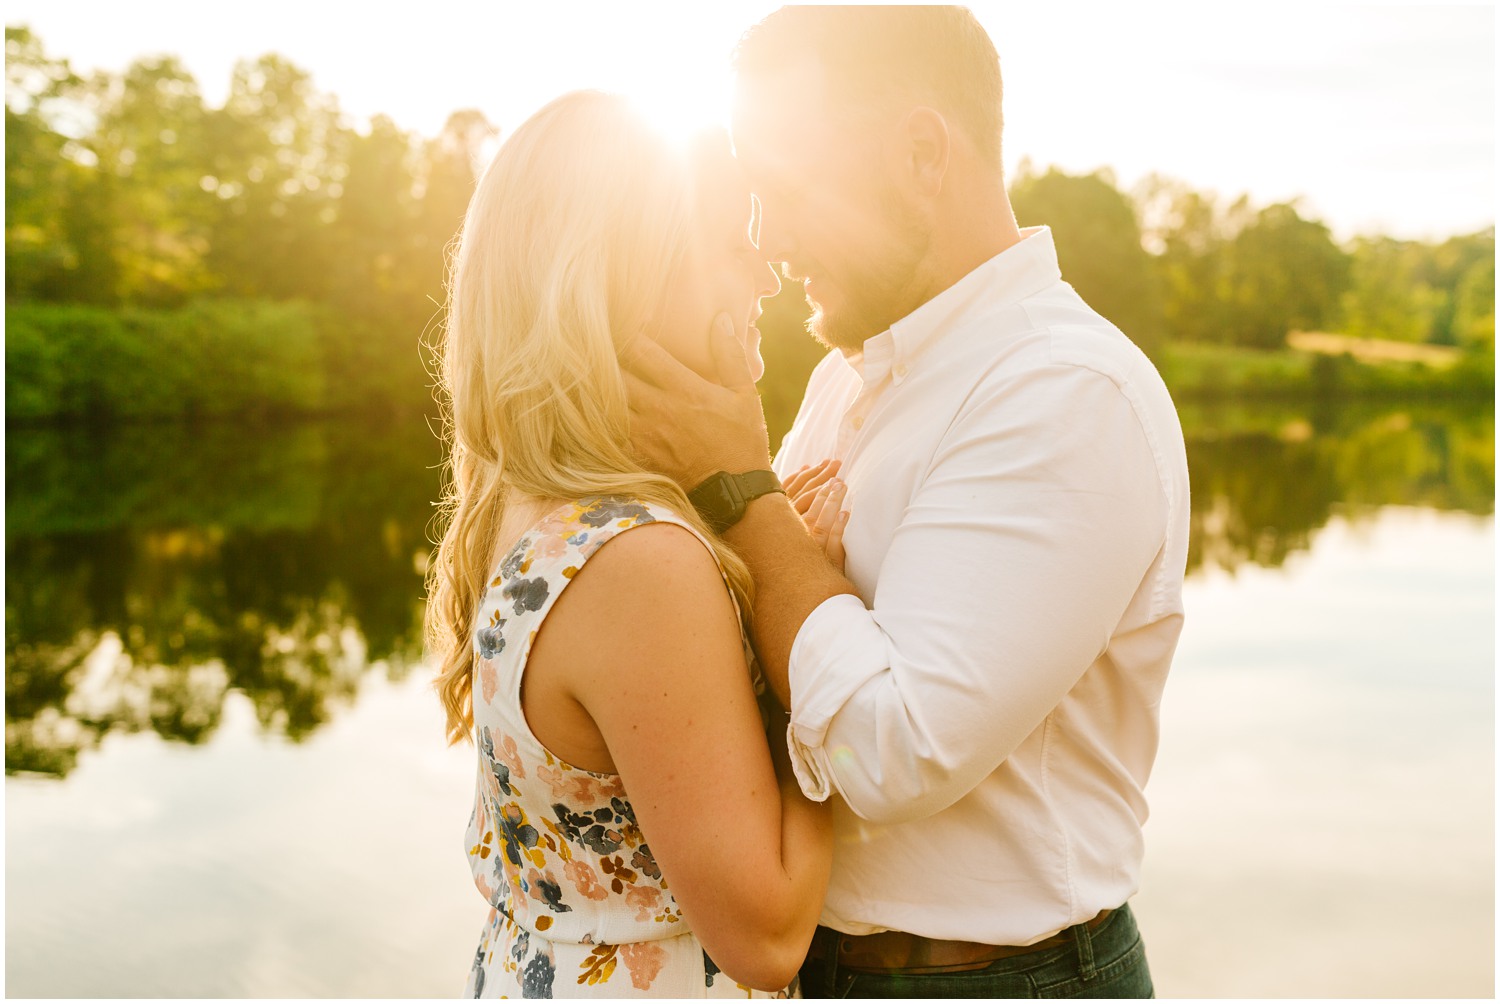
(1187, 267)
(267, 254)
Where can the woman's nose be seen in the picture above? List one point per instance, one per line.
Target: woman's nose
(767, 282)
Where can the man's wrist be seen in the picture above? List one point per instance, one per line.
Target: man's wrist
(722, 498)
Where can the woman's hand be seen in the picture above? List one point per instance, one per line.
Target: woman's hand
(803, 486)
(819, 497)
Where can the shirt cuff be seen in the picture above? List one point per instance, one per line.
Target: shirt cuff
(838, 649)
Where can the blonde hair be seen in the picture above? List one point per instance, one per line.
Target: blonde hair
(565, 252)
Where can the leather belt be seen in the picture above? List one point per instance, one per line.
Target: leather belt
(910, 953)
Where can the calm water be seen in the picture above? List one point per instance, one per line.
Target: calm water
(225, 774)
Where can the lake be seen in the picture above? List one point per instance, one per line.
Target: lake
(226, 774)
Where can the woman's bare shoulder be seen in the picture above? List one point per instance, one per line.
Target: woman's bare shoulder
(657, 564)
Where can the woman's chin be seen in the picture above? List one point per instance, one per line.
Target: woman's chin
(753, 362)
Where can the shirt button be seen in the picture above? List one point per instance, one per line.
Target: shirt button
(858, 421)
(899, 370)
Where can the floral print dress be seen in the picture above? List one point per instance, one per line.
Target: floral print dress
(578, 905)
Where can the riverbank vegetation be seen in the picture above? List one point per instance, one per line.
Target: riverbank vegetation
(169, 258)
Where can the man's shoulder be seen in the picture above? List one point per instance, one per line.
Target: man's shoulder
(1053, 329)
(1052, 351)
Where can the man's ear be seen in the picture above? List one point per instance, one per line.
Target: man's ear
(925, 135)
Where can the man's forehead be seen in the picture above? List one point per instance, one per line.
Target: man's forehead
(777, 113)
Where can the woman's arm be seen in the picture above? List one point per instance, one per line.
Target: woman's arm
(647, 641)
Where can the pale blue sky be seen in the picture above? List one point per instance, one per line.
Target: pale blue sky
(1382, 117)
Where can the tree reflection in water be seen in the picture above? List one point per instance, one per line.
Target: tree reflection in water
(153, 568)
(1266, 478)
(150, 569)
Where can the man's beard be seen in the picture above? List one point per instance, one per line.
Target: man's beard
(879, 296)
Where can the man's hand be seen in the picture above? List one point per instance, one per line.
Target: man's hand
(687, 427)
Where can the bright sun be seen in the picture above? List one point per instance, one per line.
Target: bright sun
(678, 111)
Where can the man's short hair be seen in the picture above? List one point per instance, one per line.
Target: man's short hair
(940, 55)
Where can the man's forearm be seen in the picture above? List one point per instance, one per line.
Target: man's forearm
(792, 577)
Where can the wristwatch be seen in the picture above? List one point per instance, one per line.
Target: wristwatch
(722, 498)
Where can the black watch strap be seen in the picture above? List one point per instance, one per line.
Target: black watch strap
(721, 499)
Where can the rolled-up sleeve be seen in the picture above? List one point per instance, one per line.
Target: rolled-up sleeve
(837, 646)
(1033, 527)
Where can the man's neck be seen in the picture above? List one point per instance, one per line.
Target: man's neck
(971, 229)
(975, 223)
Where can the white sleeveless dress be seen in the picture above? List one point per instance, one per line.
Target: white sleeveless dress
(578, 905)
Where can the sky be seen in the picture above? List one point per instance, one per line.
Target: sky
(1380, 118)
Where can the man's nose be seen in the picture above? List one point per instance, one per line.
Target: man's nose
(777, 242)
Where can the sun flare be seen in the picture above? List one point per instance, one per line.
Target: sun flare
(680, 95)
(678, 113)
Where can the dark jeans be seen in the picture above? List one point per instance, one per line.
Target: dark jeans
(1109, 961)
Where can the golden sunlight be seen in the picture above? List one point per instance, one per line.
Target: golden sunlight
(678, 112)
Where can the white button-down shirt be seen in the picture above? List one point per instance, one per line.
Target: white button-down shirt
(987, 709)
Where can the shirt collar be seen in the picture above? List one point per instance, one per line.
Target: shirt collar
(1021, 270)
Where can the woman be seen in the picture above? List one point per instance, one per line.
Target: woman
(630, 831)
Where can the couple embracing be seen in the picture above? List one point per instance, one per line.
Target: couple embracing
(872, 719)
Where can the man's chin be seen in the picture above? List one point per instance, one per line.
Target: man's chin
(834, 330)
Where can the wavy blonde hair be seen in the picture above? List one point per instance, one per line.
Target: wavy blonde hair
(565, 253)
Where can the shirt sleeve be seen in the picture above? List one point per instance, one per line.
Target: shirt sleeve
(1039, 515)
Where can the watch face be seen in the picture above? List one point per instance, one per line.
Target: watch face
(721, 499)
(718, 501)
(722, 494)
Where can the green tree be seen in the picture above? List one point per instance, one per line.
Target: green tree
(371, 233)
(448, 171)
(151, 144)
(381, 286)
(1187, 233)
(1418, 292)
(279, 150)
(1388, 295)
(1284, 272)
(48, 180)
(1474, 304)
(1464, 269)
(1098, 246)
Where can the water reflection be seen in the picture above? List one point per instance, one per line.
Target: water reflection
(153, 569)
(1265, 478)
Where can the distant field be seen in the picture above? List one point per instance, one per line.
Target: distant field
(1324, 365)
(1374, 350)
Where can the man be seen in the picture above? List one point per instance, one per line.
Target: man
(981, 691)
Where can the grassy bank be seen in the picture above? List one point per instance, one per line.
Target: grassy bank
(258, 358)
(1213, 371)
(209, 358)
